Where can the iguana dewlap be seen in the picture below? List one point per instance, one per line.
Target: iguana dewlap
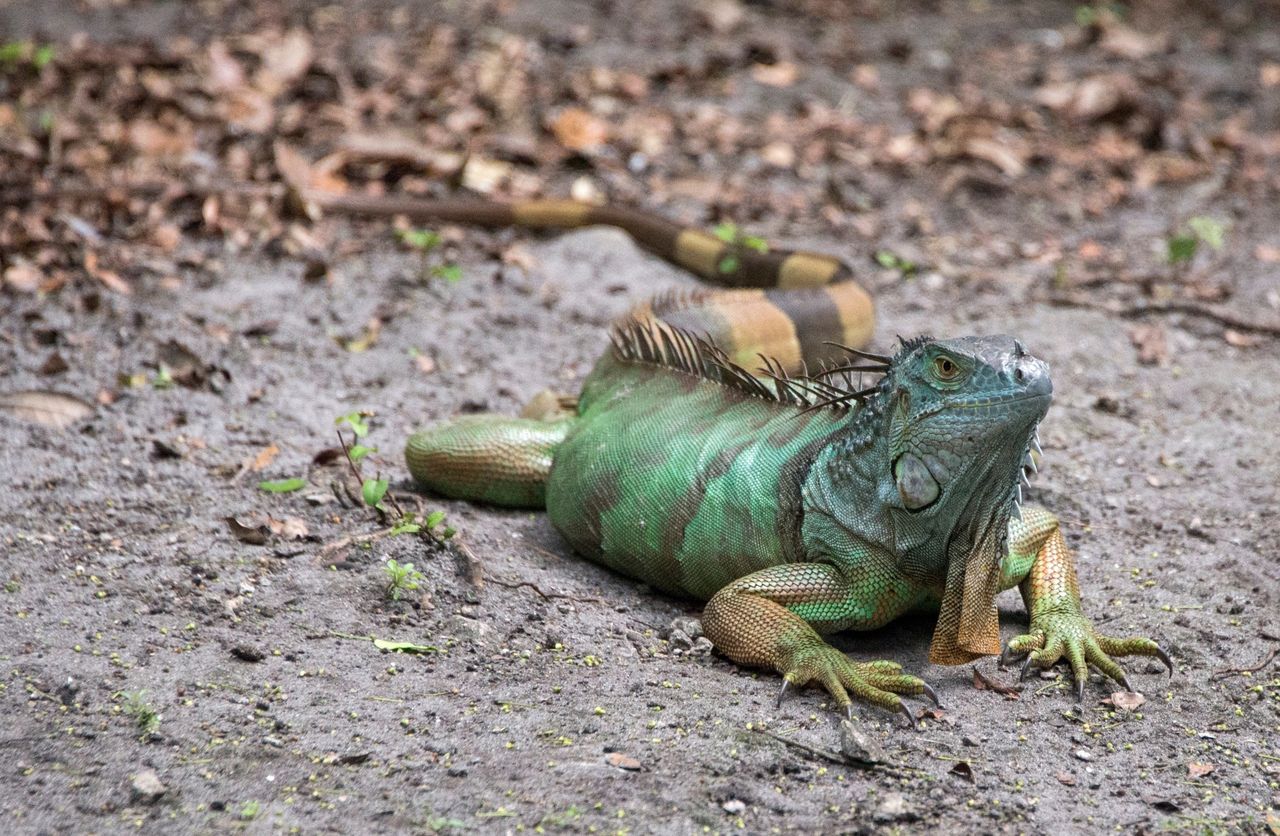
(796, 506)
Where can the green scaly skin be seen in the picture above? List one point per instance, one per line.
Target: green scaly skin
(793, 521)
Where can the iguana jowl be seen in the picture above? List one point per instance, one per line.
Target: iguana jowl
(796, 506)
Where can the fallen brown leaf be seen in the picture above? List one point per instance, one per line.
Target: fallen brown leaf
(983, 683)
(290, 528)
(265, 456)
(1152, 344)
(621, 761)
(251, 527)
(53, 409)
(1240, 339)
(781, 74)
(578, 130)
(1066, 779)
(23, 277)
(1126, 700)
(1198, 769)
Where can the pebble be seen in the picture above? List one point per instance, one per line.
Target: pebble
(734, 807)
(1083, 754)
(147, 786)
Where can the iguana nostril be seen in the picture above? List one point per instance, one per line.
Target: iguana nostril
(1018, 375)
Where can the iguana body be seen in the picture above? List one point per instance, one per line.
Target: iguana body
(796, 506)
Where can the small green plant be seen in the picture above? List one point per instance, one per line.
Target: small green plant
(163, 378)
(425, 242)
(354, 420)
(144, 716)
(16, 53)
(250, 810)
(401, 578)
(892, 261)
(372, 491)
(738, 241)
(1183, 245)
(1099, 13)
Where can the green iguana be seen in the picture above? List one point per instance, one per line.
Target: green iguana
(795, 504)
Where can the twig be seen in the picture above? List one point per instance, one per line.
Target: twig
(355, 470)
(1225, 672)
(546, 596)
(1215, 313)
(471, 566)
(354, 538)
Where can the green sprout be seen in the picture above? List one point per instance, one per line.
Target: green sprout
(1183, 246)
(355, 420)
(425, 242)
(137, 707)
(401, 578)
(892, 261)
(738, 241)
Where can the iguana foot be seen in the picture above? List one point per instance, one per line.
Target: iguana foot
(878, 683)
(1071, 636)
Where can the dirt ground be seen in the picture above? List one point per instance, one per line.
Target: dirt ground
(990, 168)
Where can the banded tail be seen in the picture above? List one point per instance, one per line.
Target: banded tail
(785, 304)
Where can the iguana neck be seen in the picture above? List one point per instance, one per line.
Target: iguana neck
(851, 487)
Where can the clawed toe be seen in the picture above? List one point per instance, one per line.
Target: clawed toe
(911, 718)
(931, 694)
(1164, 657)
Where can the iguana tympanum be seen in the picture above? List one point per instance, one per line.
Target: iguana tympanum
(701, 461)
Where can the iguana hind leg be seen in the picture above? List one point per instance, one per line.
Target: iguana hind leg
(490, 458)
(767, 619)
(1040, 564)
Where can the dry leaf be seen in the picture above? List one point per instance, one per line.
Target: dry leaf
(1152, 344)
(781, 74)
(224, 72)
(483, 176)
(110, 278)
(251, 527)
(1239, 339)
(999, 154)
(578, 130)
(290, 528)
(1124, 42)
(1198, 769)
(23, 276)
(265, 456)
(983, 683)
(1127, 700)
(1066, 779)
(284, 62)
(395, 148)
(621, 761)
(52, 409)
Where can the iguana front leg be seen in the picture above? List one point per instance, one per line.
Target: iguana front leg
(768, 619)
(1042, 567)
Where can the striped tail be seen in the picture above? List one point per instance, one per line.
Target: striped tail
(803, 302)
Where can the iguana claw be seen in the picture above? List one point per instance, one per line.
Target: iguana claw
(786, 683)
(911, 718)
(1070, 637)
(932, 694)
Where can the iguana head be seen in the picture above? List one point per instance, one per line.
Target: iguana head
(960, 417)
(944, 436)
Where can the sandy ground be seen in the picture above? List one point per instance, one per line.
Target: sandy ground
(275, 712)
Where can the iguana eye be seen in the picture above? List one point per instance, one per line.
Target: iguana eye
(945, 368)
